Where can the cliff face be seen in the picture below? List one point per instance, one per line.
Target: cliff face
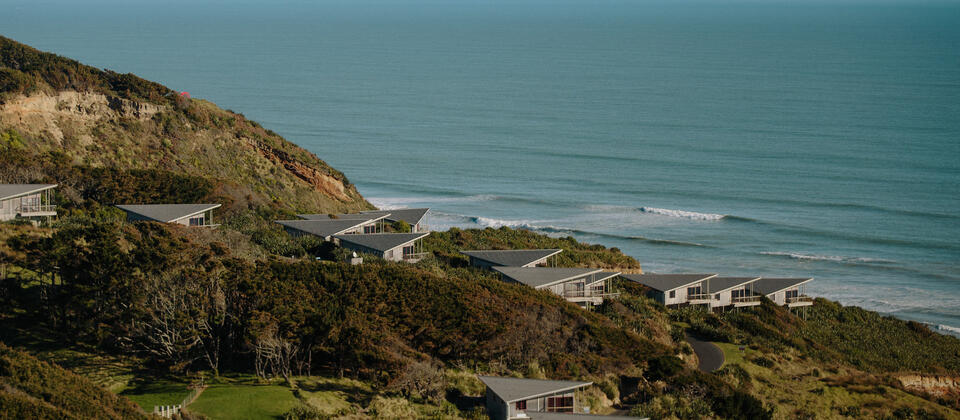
(102, 119)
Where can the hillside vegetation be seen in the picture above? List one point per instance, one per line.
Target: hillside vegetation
(57, 112)
(32, 389)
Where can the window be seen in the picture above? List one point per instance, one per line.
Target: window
(716, 296)
(521, 405)
(408, 250)
(793, 293)
(673, 294)
(370, 229)
(196, 221)
(560, 404)
(693, 290)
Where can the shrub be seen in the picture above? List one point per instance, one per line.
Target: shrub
(663, 367)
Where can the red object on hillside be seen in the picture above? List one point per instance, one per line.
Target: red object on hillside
(185, 94)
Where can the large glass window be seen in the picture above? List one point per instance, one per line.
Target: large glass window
(521, 405)
(560, 404)
(196, 221)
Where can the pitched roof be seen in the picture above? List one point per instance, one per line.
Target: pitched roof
(322, 228)
(605, 275)
(14, 190)
(769, 286)
(166, 212)
(347, 216)
(546, 415)
(512, 257)
(665, 282)
(720, 284)
(538, 277)
(411, 216)
(381, 241)
(516, 389)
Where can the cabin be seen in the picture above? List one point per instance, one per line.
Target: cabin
(413, 217)
(676, 289)
(406, 247)
(511, 258)
(328, 228)
(735, 292)
(518, 398)
(585, 287)
(789, 292)
(194, 215)
(27, 201)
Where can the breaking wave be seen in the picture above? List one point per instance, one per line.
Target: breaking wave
(833, 258)
(682, 214)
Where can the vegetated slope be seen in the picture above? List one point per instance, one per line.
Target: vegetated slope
(56, 111)
(446, 245)
(32, 389)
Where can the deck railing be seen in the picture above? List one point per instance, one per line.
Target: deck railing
(798, 299)
(415, 256)
(746, 299)
(699, 296)
(36, 208)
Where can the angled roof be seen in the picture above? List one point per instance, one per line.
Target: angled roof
(545, 415)
(14, 190)
(347, 216)
(538, 277)
(720, 284)
(381, 241)
(411, 216)
(166, 212)
(512, 257)
(666, 282)
(769, 286)
(516, 389)
(322, 228)
(605, 275)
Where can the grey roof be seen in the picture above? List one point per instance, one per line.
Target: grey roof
(769, 286)
(516, 389)
(166, 212)
(381, 241)
(512, 257)
(544, 415)
(411, 216)
(666, 282)
(322, 228)
(605, 275)
(347, 216)
(14, 190)
(538, 277)
(719, 284)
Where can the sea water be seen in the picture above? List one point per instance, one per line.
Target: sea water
(756, 138)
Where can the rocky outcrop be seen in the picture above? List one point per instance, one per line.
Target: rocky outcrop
(938, 385)
(320, 181)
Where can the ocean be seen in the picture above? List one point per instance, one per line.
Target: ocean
(746, 138)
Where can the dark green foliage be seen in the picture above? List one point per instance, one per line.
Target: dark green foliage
(575, 254)
(31, 389)
(863, 339)
(663, 367)
(741, 405)
(24, 69)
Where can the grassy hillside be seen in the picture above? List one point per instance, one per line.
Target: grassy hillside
(56, 112)
(33, 389)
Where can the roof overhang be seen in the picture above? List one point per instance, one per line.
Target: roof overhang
(541, 394)
(789, 287)
(604, 276)
(736, 285)
(40, 187)
(212, 206)
(564, 280)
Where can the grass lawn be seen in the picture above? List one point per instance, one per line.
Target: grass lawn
(731, 353)
(157, 393)
(235, 401)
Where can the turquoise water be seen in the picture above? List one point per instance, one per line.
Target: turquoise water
(745, 139)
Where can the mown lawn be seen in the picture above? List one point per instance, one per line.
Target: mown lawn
(235, 401)
(157, 393)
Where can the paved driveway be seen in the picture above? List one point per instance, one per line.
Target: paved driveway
(711, 357)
